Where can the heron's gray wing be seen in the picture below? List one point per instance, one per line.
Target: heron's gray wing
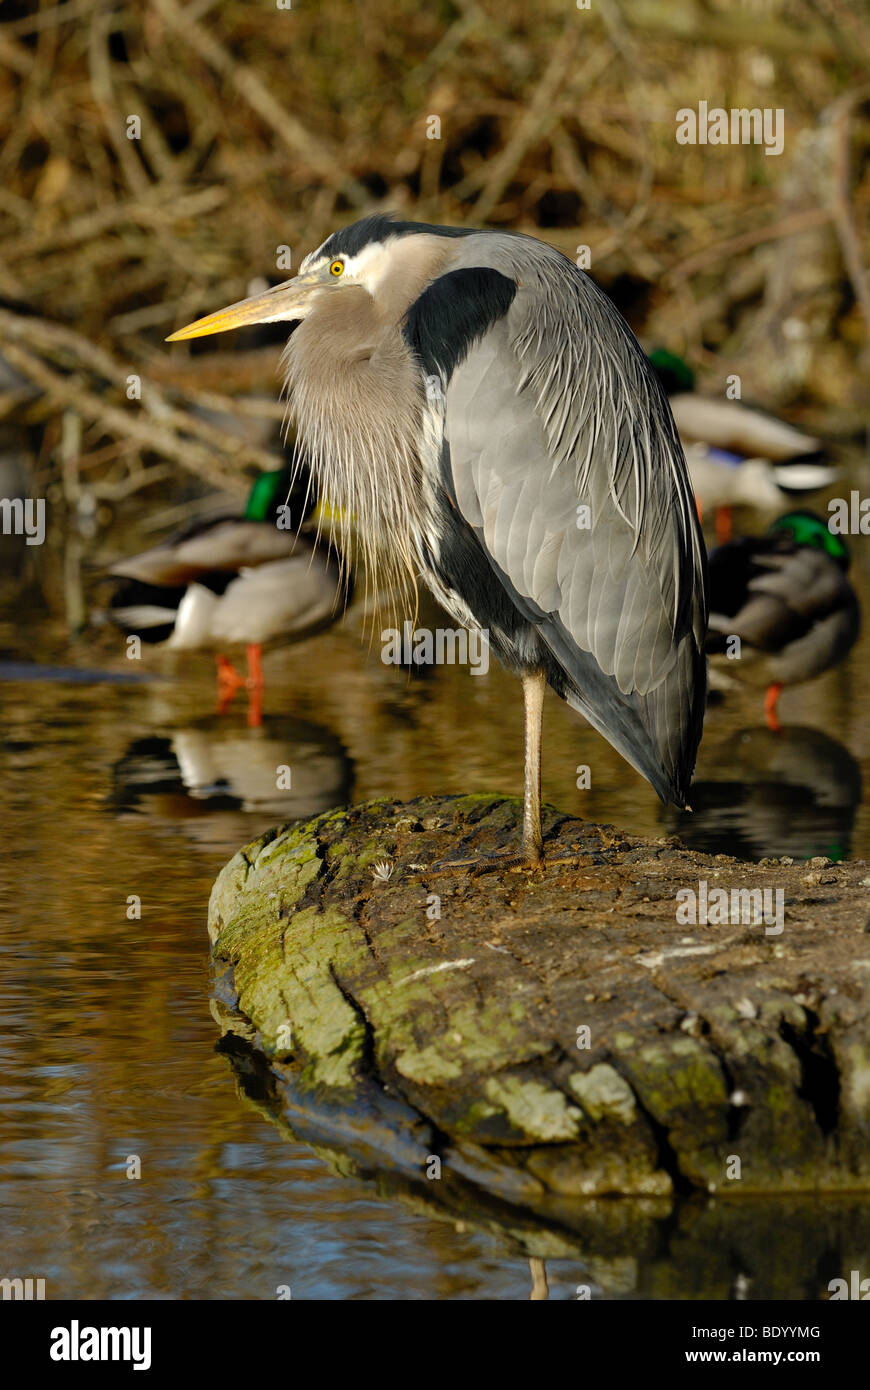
(564, 459)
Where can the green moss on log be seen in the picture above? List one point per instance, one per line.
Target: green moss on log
(552, 1031)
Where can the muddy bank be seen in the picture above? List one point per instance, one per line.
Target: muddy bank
(544, 1035)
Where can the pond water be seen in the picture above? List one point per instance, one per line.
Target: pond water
(120, 783)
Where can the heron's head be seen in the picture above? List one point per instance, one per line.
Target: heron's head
(377, 262)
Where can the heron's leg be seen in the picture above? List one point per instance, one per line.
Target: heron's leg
(531, 851)
(534, 685)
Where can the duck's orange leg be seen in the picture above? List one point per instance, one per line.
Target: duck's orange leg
(254, 683)
(722, 522)
(254, 653)
(770, 699)
(228, 682)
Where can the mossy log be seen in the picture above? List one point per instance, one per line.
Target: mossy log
(555, 1032)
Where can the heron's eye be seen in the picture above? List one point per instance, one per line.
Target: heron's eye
(337, 268)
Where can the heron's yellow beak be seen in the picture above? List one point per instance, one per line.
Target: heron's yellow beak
(289, 301)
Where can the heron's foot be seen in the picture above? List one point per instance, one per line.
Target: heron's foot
(476, 864)
(512, 859)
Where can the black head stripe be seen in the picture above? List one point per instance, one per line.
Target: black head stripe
(377, 227)
(453, 312)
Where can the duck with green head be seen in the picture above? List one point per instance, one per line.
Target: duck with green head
(235, 581)
(738, 456)
(787, 596)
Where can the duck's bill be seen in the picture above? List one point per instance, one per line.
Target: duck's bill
(283, 303)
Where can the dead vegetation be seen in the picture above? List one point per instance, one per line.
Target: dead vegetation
(259, 128)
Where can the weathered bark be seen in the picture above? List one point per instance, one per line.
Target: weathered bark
(395, 1035)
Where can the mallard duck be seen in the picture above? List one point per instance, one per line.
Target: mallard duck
(787, 597)
(738, 456)
(233, 581)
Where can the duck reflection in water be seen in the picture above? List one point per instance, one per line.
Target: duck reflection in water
(782, 609)
(794, 791)
(225, 783)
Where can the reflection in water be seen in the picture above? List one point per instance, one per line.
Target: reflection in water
(793, 791)
(540, 1288)
(108, 1045)
(696, 1247)
(213, 776)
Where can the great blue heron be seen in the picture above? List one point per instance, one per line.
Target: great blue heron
(486, 416)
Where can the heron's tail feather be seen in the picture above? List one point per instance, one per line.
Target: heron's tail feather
(657, 733)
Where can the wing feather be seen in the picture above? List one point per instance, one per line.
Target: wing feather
(555, 406)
